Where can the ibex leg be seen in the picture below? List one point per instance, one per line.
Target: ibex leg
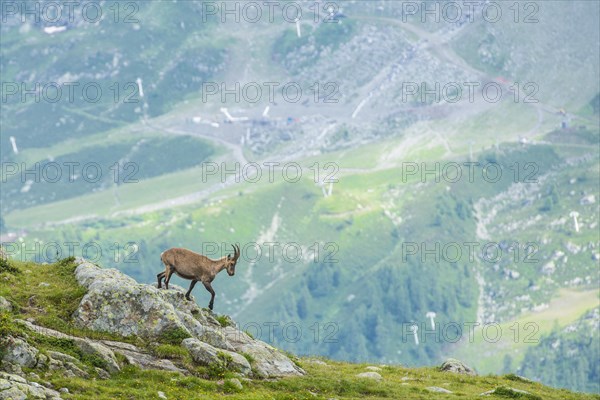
(160, 278)
(212, 294)
(169, 273)
(187, 295)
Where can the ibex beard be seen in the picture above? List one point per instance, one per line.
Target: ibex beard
(195, 267)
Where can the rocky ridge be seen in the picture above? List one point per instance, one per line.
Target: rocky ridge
(116, 304)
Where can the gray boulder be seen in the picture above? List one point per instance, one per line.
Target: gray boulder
(97, 349)
(13, 387)
(268, 361)
(116, 303)
(102, 374)
(136, 356)
(370, 375)
(62, 357)
(42, 361)
(457, 367)
(75, 370)
(12, 393)
(18, 352)
(205, 354)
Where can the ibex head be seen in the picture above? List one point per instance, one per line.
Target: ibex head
(231, 261)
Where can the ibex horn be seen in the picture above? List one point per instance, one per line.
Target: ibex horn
(236, 252)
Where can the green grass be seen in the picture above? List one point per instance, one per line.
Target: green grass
(248, 358)
(224, 320)
(169, 351)
(335, 380)
(7, 325)
(175, 336)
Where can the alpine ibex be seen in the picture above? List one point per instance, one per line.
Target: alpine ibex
(195, 267)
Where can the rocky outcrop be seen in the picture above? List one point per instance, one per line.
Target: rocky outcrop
(268, 361)
(106, 350)
(457, 367)
(87, 346)
(116, 303)
(15, 387)
(205, 354)
(94, 348)
(136, 356)
(18, 352)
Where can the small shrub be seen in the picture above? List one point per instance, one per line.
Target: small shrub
(249, 358)
(293, 357)
(93, 360)
(174, 336)
(121, 359)
(5, 266)
(224, 320)
(64, 268)
(230, 387)
(517, 378)
(66, 346)
(6, 324)
(218, 369)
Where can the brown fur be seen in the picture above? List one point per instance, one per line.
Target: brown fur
(195, 267)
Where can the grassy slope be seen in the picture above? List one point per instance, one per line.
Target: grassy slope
(52, 305)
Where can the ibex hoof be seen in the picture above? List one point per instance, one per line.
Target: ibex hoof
(210, 307)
